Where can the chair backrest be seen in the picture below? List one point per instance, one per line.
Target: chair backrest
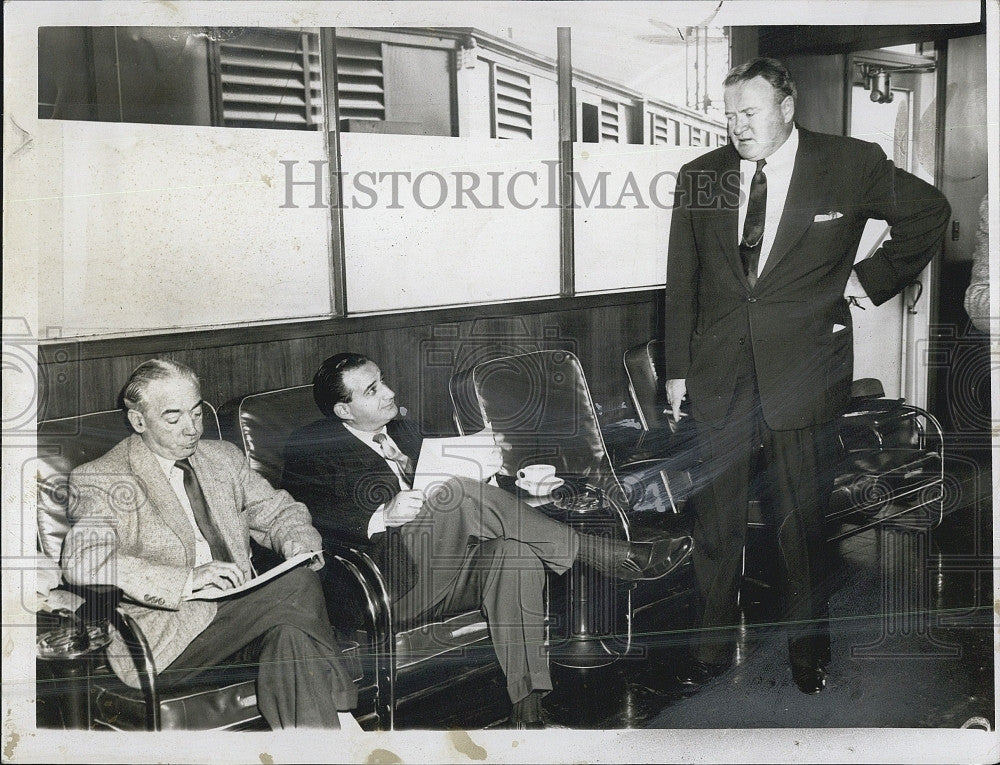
(66, 443)
(644, 369)
(540, 409)
(466, 411)
(261, 423)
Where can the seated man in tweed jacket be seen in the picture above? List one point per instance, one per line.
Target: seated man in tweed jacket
(164, 515)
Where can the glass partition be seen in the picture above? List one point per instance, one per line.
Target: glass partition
(434, 221)
(160, 227)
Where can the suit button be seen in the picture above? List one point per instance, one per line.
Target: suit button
(751, 300)
(742, 341)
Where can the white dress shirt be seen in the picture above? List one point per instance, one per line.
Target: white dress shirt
(202, 551)
(376, 524)
(779, 174)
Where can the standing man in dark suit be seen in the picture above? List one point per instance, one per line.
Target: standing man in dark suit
(758, 334)
(467, 545)
(164, 515)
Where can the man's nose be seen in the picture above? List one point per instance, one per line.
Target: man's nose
(189, 427)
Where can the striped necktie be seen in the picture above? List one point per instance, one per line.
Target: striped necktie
(390, 452)
(753, 224)
(199, 507)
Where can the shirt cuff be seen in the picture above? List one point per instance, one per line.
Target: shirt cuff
(376, 524)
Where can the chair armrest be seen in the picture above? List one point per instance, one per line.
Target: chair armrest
(622, 441)
(870, 425)
(368, 576)
(102, 602)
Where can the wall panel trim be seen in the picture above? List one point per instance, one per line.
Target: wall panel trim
(152, 345)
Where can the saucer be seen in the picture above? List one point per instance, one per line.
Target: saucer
(541, 488)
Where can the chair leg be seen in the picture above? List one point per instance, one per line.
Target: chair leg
(143, 658)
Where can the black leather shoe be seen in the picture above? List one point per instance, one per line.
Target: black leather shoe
(526, 714)
(654, 560)
(693, 673)
(810, 680)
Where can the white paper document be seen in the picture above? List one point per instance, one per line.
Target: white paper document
(214, 593)
(473, 456)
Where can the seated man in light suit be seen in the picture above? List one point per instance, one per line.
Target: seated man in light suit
(164, 515)
(470, 546)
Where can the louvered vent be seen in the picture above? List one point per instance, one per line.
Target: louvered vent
(271, 78)
(609, 121)
(512, 103)
(659, 130)
(360, 81)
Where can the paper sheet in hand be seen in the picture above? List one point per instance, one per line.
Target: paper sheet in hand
(214, 593)
(462, 456)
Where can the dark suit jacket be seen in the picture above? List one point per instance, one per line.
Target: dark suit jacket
(342, 482)
(803, 367)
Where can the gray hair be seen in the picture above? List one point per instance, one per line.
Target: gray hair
(133, 395)
(770, 69)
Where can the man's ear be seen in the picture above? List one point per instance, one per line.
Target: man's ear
(788, 108)
(137, 421)
(343, 411)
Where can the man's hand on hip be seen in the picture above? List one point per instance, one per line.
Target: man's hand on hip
(854, 288)
(676, 390)
(403, 508)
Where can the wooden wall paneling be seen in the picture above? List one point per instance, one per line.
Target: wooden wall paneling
(417, 352)
(820, 83)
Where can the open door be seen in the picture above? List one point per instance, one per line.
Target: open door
(891, 102)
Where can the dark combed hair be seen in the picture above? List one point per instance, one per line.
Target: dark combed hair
(328, 382)
(133, 394)
(770, 69)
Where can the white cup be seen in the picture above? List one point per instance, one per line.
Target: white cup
(536, 473)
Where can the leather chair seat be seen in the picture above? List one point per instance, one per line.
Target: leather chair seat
(892, 464)
(226, 699)
(197, 707)
(428, 640)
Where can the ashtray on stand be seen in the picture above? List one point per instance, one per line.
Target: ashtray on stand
(70, 648)
(584, 603)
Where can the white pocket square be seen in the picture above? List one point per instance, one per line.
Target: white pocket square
(832, 215)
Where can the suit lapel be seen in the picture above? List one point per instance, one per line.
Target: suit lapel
(162, 499)
(405, 437)
(357, 457)
(726, 213)
(808, 177)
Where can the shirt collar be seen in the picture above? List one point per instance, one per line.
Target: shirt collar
(165, 464)
(365, 435)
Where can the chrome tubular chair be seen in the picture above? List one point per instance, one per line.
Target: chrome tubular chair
(71, 650)
(409, 660)
(891, 466)
(540, 409)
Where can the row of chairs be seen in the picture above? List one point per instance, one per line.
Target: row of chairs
(540, 409)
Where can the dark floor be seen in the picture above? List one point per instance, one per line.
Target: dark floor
(912, 646)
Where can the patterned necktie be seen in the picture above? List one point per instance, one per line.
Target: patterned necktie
(202, 517)
(390, 452)
(753, 224)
